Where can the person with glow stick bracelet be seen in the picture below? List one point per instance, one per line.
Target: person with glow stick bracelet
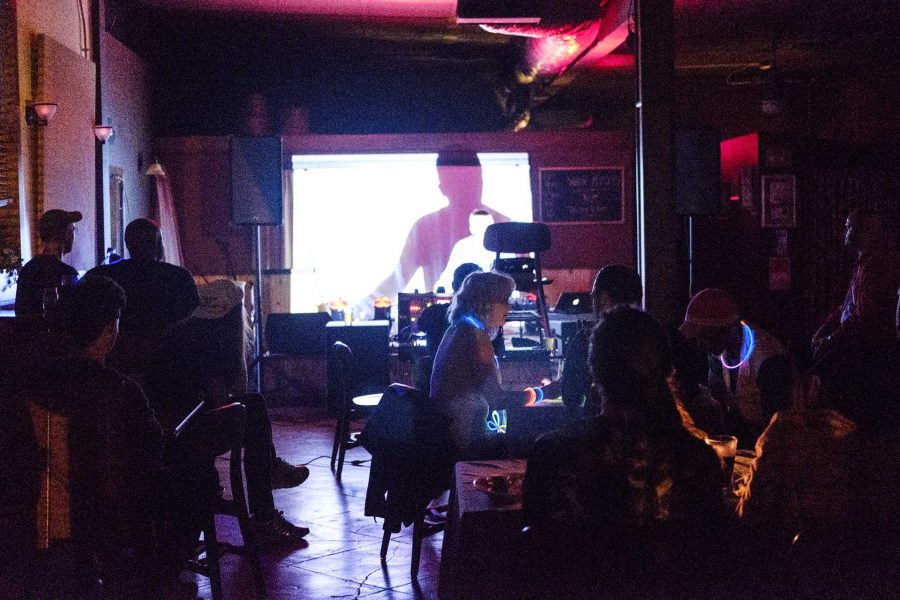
(465, 380)
(615, 285)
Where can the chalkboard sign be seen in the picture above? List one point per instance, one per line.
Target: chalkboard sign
(582, 194)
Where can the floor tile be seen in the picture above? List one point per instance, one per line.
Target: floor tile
(340, 557)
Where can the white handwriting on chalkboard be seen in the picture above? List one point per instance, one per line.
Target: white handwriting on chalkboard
(573, 195)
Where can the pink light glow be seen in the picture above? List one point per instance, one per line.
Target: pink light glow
(736, 153)
(387, 10)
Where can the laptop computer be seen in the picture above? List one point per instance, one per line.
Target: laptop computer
(573, 303)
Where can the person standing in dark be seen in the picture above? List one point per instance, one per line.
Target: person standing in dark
(47, 271)
(856, 349)
(867, 315)
(159, 294)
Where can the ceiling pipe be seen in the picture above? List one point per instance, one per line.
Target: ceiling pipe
(564, 36)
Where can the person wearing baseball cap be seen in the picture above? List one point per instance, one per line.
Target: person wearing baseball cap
(56, 229)
(749, 368)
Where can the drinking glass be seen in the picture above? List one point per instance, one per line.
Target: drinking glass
(725, 447)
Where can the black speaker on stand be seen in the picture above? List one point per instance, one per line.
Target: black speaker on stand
(256, 200)
(697, 181)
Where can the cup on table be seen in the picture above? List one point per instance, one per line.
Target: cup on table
(725, 447)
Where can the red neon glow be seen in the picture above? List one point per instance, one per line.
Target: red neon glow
(737, 153)
(379, 10)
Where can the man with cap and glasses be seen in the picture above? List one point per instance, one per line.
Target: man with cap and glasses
(47, 271)
(749, 369)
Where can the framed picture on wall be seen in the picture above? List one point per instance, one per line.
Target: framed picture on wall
(779, 201)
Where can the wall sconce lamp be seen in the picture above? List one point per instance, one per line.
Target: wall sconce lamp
(103, 132)
(40, 113)
(155, 169)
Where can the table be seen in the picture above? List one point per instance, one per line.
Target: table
(525, 424)
(482, 538)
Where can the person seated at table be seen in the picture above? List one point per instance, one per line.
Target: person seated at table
(465, 379)
(690, 386)
(632, 460)
(159, 294)
(614, 285)
(749, 371)
(822, 492)
(801, 473)
(202, 358)
(120, 442)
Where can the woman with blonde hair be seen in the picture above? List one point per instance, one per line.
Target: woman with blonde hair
(465, 380)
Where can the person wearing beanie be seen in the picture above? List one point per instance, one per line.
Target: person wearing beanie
(56, 229)
(749, 371)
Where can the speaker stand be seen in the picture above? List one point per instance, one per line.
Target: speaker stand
(257, 314)
(690, 241)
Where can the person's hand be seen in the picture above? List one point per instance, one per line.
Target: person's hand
(720, 392)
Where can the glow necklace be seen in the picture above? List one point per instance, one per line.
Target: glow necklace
(474, 322)
(748, 345)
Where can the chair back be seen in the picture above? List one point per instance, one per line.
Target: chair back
(517, 238)
(339, 377)
(400, 420)
(68, 483)
(212, 434)
(408, 436)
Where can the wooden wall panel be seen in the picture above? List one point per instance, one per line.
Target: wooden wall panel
(10, 119)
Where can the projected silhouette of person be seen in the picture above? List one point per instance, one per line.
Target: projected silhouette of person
(431, 239)
(470, 249)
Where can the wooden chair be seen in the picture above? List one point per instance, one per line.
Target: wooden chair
(68, 524)
(411, 464)
(348, 405)
(204, 436)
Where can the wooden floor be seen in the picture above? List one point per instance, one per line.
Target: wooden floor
(341, 556)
